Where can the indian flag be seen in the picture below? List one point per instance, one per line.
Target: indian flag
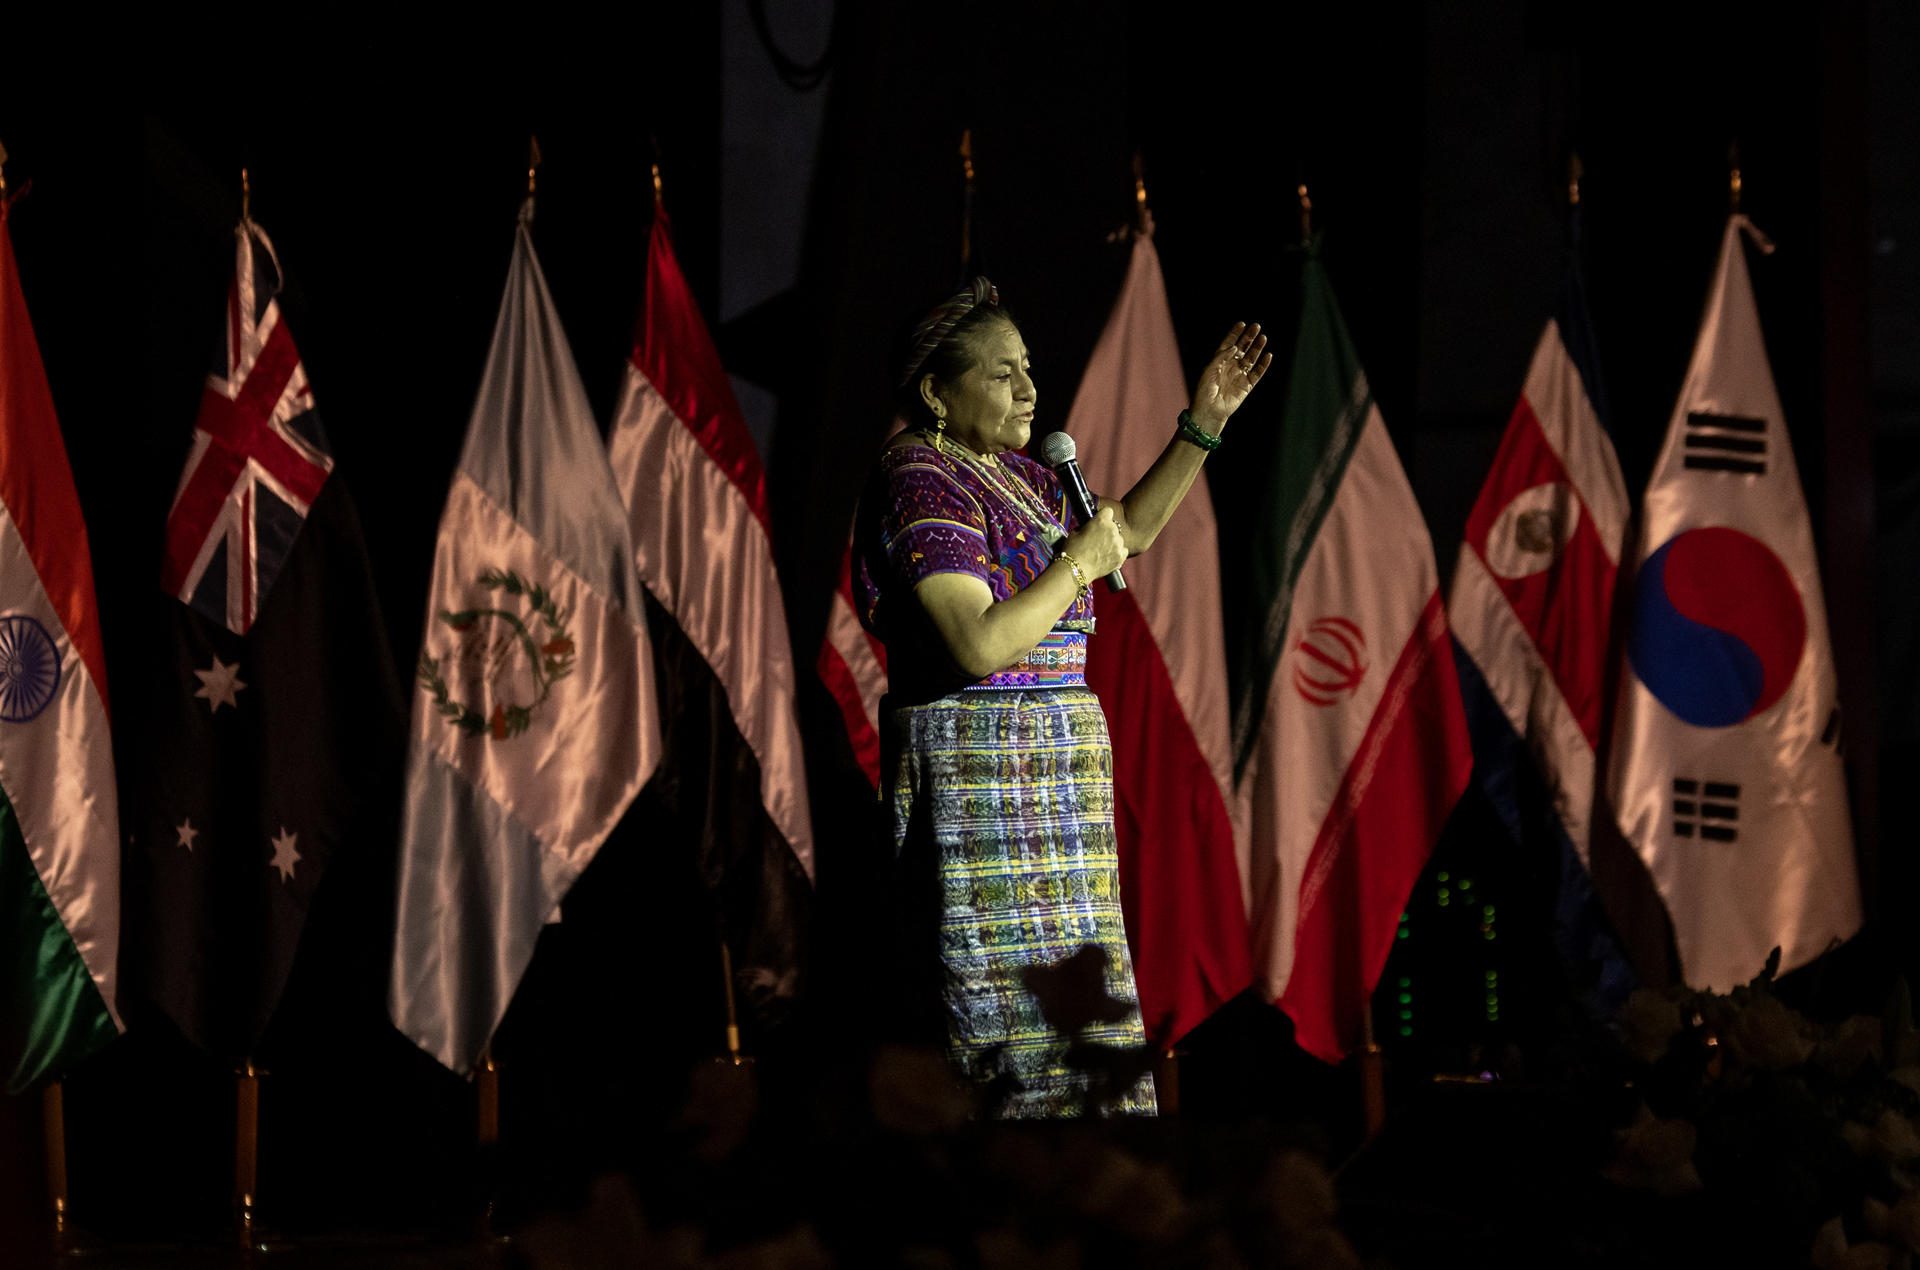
(1350, 744)
(59, 816)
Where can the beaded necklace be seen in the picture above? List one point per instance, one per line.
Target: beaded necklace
(994, 472)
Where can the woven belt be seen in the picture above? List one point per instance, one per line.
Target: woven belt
(1059, 660)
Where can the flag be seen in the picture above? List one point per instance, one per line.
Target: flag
(1531, 608)
(1349, 739)
(696, 499)
(1158, 664)
(273, 703)
(853, 666)
(1726, 771)
(534, 715)
(59, 819)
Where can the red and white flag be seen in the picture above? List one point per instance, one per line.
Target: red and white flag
(696, 502)
(853, 666)
(1158, 664)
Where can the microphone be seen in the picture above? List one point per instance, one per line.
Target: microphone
(1058, 452)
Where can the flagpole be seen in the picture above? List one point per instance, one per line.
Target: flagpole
(246, 1149)
(1373, 1081)
(733, 1054)
(54, 1117)
(966, 213)
(486, 1087)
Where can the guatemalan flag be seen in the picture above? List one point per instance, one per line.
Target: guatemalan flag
(696, 501)
(534, 714)
(1726, 771)
(1158, 665)
(1349, 739)
(1531, 608)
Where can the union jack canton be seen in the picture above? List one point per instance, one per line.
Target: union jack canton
(259, 455)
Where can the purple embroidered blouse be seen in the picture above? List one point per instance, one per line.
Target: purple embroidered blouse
(928, 512)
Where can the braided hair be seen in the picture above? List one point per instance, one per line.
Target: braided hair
(941, 343)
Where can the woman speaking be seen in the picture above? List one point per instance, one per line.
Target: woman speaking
(997, 780)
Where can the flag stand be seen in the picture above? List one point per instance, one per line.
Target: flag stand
(54, 1117)
(733, 1054)
(1373, 1082)
(486, 1082)
(246, 1152)
(1166, 1082)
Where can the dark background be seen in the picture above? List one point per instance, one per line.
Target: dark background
(812, 217)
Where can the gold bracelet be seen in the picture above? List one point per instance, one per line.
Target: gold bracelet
(1079, 576)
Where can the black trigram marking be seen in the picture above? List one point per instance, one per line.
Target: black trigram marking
(1708, 809)
(1726, 443)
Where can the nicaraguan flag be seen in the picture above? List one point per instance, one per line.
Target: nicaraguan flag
(1726, 771)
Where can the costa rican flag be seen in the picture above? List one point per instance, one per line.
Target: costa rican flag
(259, 454)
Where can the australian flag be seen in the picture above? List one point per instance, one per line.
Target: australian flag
(275, 688)
(259, 455)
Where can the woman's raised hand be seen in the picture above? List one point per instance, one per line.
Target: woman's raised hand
(1097, 546)
(1238, 364)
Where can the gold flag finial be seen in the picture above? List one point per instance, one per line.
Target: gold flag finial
(533, 160)
(1733, 177)
(659, 199)
(966, 215)
(1142, 214)
(246, 197)
(1306, 215)
(1575, 170)
(3, 172)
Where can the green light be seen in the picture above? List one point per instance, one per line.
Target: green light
(1405, 982)
(1466, 884)
(1493, 976)
(1406, 998)
(1487, 912)
(1489, 936)
(1406, 1031)
(1406, 1016)
(1401, 934)
(1443, 875)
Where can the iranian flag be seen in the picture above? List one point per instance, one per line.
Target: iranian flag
(1158, 664)
(1349, 739)
(59, 834)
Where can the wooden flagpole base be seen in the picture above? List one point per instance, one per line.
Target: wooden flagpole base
(246, 1153)
(486, 1090)
(1373, 1081)
(54, 1116)
(1166, 1082)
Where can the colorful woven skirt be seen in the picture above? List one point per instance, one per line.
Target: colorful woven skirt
(1005, 799)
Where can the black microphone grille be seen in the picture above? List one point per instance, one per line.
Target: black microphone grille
(1058, 448)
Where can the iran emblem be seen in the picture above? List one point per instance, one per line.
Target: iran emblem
(1329, 661)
